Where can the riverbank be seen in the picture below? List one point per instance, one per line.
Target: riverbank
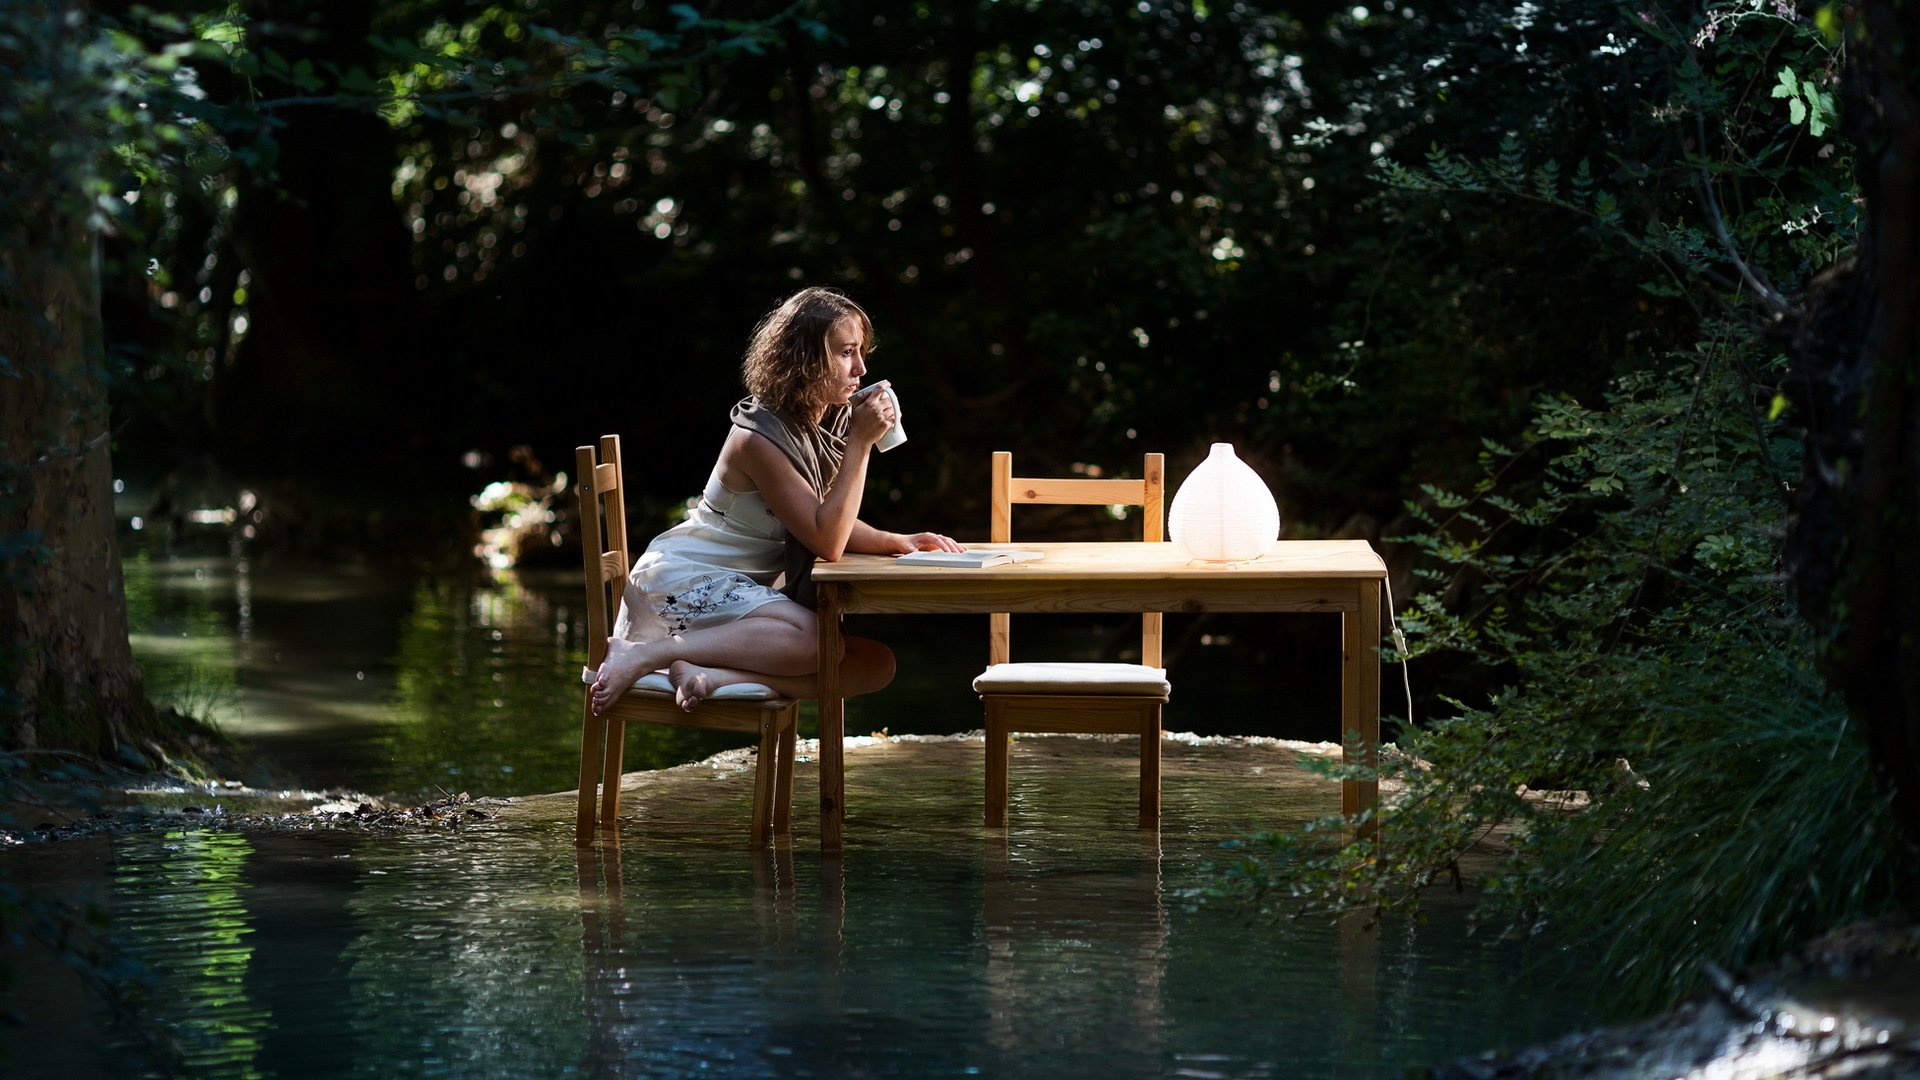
(1846, 1005)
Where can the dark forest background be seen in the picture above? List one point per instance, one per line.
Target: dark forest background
(1084, 230)
(1575, 311)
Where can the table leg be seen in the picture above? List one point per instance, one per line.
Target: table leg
(1360, 700)
(833, 721)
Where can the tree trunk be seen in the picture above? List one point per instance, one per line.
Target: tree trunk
(1857, 378)
(70, 680)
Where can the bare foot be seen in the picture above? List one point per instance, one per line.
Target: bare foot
(625, 662)
(691, 684)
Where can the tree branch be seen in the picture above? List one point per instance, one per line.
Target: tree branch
(1776, 304)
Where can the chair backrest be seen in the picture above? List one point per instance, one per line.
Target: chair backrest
(603, 538)
(1147, 492)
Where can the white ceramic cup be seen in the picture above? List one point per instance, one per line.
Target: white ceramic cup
(896, 434)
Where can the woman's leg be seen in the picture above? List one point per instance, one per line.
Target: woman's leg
(780, 641)
(866, 666)
(779, 637)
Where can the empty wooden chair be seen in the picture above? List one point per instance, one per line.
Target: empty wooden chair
(1075, 697)
(746, 708)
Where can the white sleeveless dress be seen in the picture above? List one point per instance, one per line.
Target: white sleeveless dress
(716, 566)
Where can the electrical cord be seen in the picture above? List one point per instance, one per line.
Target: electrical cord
(1400, 642)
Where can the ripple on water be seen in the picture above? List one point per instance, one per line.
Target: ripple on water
(1060, 946)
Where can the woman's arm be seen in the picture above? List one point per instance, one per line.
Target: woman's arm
(829, 527)
(871, 541)
(824, 525)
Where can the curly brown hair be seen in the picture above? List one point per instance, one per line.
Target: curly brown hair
(786, 365)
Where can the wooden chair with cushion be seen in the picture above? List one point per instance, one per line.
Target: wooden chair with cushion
(1125, 699)
(749, 707)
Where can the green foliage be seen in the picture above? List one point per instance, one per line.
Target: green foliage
(1632, 728)
(1751, 824)
(1617, 512)
(1745, 821)
(1807, 103)
(1712, 190)
(1668, 781)
(1097, 224)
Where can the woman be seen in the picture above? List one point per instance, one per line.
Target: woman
(701, 602)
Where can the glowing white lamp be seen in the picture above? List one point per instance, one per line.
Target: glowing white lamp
(1223, 512)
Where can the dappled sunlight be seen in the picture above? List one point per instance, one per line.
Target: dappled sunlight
(521, 522)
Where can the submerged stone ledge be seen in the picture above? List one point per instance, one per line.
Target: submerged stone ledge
(1846, 1005)
(1217, 779)
(1223, 780)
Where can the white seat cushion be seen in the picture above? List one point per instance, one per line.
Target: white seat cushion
(1055, 678)
(657, 682)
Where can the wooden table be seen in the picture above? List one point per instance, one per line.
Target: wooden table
(1341, 576)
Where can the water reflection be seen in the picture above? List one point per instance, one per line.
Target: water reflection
(464, 960)
(1050, 929)
(1060, 947)
(657, 1000)
(188, 889)
(381, 681)
(477, 694)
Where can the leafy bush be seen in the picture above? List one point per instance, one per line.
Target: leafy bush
(1636, 731)
(1666, 779)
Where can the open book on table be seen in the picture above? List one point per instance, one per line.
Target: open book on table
(969, 558)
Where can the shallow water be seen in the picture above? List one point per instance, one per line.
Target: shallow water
(1063, 946)
(1066, 945)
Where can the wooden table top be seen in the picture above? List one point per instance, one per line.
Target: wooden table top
(1292, 575)
(1320, 559)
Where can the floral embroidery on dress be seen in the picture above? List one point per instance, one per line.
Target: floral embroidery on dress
(710, 593)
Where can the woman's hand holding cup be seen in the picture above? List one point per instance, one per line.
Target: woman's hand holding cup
(880, 401)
